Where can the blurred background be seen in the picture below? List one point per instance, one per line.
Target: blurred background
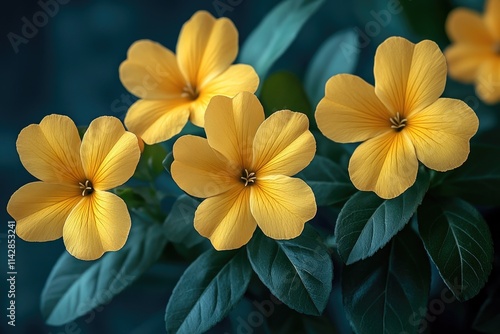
(69, 65)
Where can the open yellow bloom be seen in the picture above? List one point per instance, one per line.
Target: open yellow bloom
(401, 120)
(243, 168)
(173, 89)
(474, 56)
(70, 200)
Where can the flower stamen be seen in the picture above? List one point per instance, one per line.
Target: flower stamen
(398, 123)
(248, 177)
(86, 188)
(190, 92)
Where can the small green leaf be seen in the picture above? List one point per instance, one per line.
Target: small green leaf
(386, 292)
(329, 182)
(207, 291)
(367, 222)
(275, 33)
(477, 180)
(75, 287)
(150, 164)
(179, 224)
(131, 197)
(299, 271)
(459, 243)
(167, 162)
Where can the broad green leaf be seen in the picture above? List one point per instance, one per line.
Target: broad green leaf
(150, 164)
(179, 223)
(283, 90)
(207, 291)
(367, 222)
(167, 162)
(477, 180)
(75, 287)
(329, 182)
(459, 243)
(333, 57)
(385, 293)
(275, 33)
(298, 272)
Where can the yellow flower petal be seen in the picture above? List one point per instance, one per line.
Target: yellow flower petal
(231, 125)
(488, 81)
(386, 164)
(350, 111)
(109, 153)
(409, 77)
(157, 120)
(226, 219)
(151, 71)
(282, 205)
(100, 222)
(441, 133)
(283, 144)
(40, 209)
(492, 18)
(199, 170)
(464, 60)
(467, 26)
(206, 47)
(50, 151)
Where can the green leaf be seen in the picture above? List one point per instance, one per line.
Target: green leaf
(435, 13)
(275, 33)
(477, 180)
(329, 182)
(331, 58)
(167, 162)
(283, 90)
(207, 291)
(179, 224)
(75, 287)
(150, 164)
(367, 222)
(459, 243)
(298, 272)
(386, 292)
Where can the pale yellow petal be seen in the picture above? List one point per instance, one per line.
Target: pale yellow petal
(409, 77)
(40, 209)
(492, 18)
(151, 71)
(231, 125)
(488, 81)
(441, 133)
(226, 219)
(109, 153)
(350, 111)
(386, 164)
(283, 144)
(237, 78)
(206, 47)
(156, 121)
(464, 60)
(199, 170)
(281, 206)
(51, 151)
(466, 26)
(99, 223)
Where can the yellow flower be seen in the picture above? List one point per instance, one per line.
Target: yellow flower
(474, 56)
(173, 89)
(401, 120)
(243, 168)
(70, 200)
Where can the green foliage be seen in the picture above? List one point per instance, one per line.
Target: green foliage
(386, 292)
(150, 164)
(458, 242)
(207, 291)
(179, 223)
(75, 287)
(167, 162)
(367, 222)
(299, 271)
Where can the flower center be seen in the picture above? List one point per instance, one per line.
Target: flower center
(397, 122)
(247, 177)
(86, 188)
(190, 92)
